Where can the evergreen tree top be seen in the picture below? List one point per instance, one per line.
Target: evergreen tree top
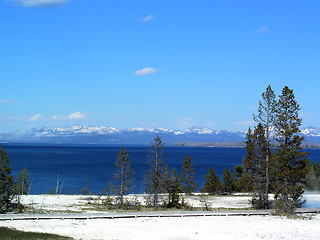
(287, 122)
(187, 164)
(266, 108)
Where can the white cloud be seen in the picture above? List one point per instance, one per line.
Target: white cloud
(148, 18)
(40, 117)
(11, 118)
(245, 123)
(8, 101)
(41, 3)
(72, 116)
(35, 118)
(5, 101)
(263, 30)
(186, 119)
(145, 71)
(77, 115)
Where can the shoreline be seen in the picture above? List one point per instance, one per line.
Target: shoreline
(305, 226)
(62, 203)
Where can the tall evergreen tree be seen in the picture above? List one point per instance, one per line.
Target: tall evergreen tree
(266, 118)
(123, 176)
(228, 181)
(155, 179)
(212, 183)
(259, 167)
(189, 184)
(6, 182)
(290, 161)
(168, 182)
(175, 190)
(248, 161)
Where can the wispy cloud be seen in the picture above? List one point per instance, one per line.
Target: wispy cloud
(72, 116)
(5, 101)
(40, 3)
(244, 123)
(77, 115)
(8, 101)
(148, 18)
(261, 31)
(36, 118)
(39, 117)
(11, 118)
(145, 71)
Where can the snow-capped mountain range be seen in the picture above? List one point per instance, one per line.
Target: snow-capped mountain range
(109, 135)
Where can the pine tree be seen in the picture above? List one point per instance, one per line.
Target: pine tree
(311, 182)
(212, 183)
(290, 161)
(189, 184)
(23, 182)
(175, 190)
(6, 182)
(168, 182)
(228, 181)
(316, 170)
(155, 177)
(123, 176)
(266, 118)
(259, 167)
(242, 180)
(177, 181)
(249, 159)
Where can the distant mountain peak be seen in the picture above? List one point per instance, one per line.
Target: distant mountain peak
(110, 135)
(199, 130)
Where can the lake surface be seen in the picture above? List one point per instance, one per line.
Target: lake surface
(77, 165)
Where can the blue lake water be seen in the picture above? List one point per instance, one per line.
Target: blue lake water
(311, 203)
(76, 165)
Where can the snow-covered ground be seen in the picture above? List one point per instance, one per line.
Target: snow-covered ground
(230, 227)
(79, 203)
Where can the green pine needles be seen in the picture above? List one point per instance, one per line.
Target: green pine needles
(228, 181)
(6, 182)
(123, 176)
(158, 174)
(23, 183)
(290, 162)
(284, 170)
(212, 183)
(189, 184)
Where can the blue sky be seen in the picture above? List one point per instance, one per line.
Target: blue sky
(154, 63)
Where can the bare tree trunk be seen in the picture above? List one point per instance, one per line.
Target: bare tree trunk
(57, 187)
